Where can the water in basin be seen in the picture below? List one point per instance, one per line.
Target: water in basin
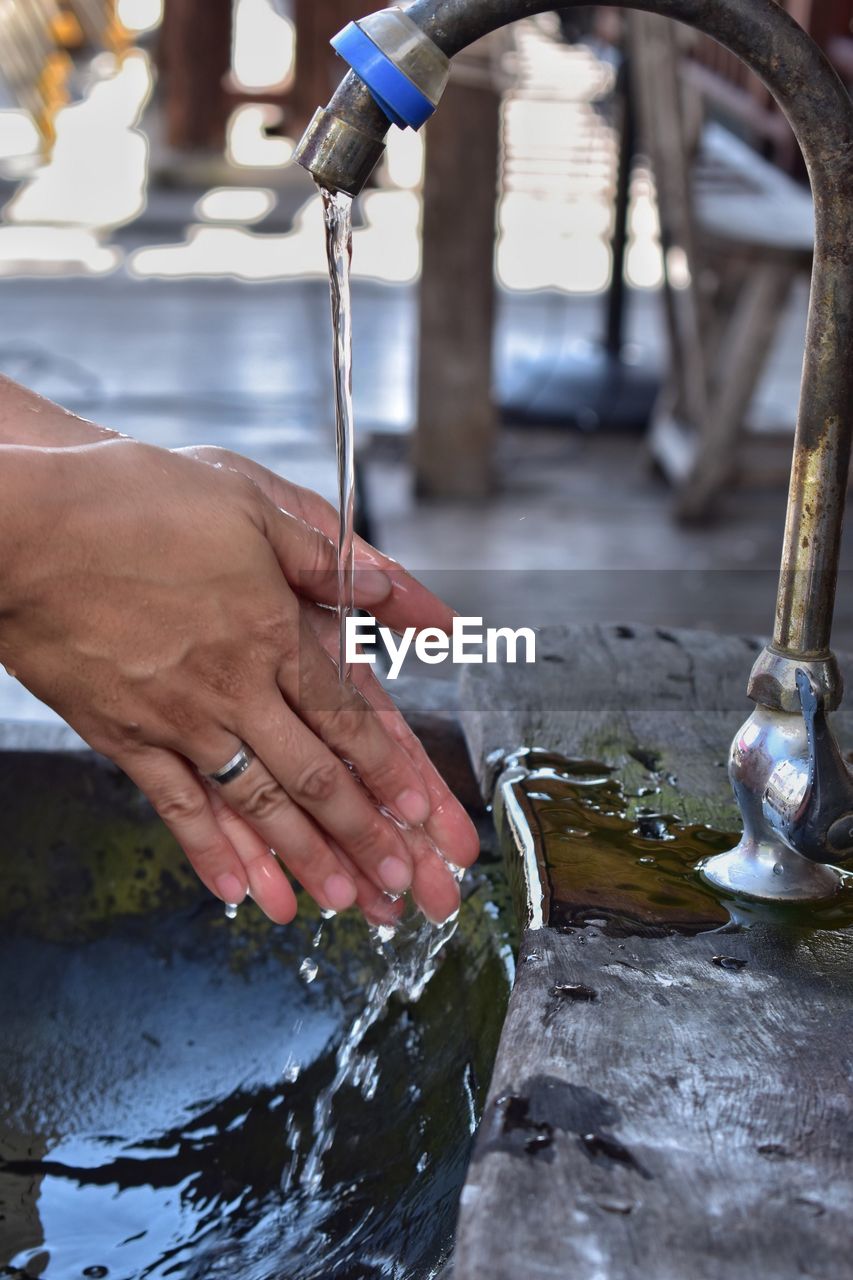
(162, 1065)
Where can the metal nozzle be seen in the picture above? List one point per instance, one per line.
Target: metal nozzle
(398, 76)
(340, 156)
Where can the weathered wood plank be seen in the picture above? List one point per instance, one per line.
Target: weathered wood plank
(672, 697)
(455, 416)
(688, 1119)
(691, 1121)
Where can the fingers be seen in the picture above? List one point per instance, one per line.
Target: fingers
(309, 561)
(434, 888)
(305, 546)
(448, 824)
(346, 722)
(398, 599)
(180, 799)
(268, 884)
(410, 603)
(259, 798)
(297, 775)
(377, 908)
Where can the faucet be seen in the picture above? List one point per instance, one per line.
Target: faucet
(793, 788)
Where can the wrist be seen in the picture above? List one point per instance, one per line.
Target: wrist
(29, 419)
(32, 492)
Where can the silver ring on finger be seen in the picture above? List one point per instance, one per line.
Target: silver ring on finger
(235, 767)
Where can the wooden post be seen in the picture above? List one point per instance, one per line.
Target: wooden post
(195, 59)
(318, 69)
(456, 423)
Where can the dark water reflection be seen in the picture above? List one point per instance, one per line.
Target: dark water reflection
(160, 1072)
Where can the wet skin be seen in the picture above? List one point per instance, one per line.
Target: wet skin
(171, 605)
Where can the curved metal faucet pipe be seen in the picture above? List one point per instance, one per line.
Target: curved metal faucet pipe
(820, 112)
(794, 790)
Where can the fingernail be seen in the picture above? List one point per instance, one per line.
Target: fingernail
(340, 892)
(443, 919)
(412, 807)
(230, 889)
(372, 586)
(395, 875)
(384, 911)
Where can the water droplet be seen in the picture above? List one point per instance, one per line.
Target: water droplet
(773, 1151)
(318, 938)
(230, 914)
(729, 962)
(616, 1206)
(779, 869)
(575, 991)
(647, 862)
(292, 1071)
(422, 1163)
(308, 970)
(96, 1273)
(652, 826)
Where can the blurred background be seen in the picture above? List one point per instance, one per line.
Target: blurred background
(579, 300)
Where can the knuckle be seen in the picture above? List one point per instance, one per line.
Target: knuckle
(264, 800)
(180, 805)
(133, 734)
(388, 773)
(370, 838)
(318, 783)
(322, 558)
(348, 721)
(126, 737)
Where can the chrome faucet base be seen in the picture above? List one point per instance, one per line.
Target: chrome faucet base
(772, 768)
(770, 872)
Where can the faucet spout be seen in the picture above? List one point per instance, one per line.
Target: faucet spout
(345, 141)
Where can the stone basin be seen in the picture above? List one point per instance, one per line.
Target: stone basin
(161, 1065)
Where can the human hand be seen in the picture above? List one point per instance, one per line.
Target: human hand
(409, 604)
(164, 625)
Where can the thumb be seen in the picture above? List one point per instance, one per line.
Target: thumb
(309, 562)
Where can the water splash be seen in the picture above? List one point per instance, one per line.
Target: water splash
(412, 958)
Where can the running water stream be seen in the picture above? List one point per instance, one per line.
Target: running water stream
(337, 209)
(412, 950)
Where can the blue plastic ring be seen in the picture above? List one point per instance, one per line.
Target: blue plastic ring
(400, 99)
